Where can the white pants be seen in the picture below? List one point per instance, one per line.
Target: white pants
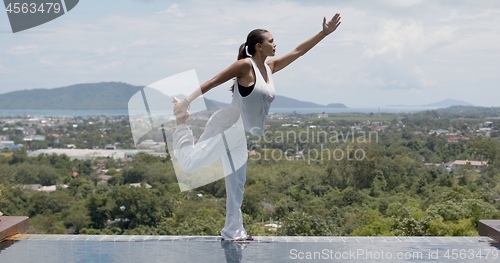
(211, 147)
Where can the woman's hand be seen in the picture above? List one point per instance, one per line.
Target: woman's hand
(332, 25)
(180, 107)
(181, 110)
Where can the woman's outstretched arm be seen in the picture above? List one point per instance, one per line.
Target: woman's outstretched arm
(237, 69)
(280, 63)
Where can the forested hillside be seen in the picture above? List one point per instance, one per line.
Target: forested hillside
(393, 185)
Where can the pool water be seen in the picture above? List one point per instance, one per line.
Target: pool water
(88, 248)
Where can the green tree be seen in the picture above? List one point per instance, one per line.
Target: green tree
(302, 224)
(136, 206)
(99, 210)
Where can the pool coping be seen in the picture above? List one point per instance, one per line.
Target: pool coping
(16, 228)
(489, 228)
(11, 225)
(259, 239)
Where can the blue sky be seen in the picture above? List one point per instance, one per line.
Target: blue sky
(385, 52)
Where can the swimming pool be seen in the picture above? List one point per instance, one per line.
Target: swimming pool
(89, 248)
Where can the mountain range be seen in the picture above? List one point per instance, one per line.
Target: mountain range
(444, 103)
(106, 96)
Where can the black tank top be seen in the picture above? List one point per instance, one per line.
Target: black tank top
(245, 91)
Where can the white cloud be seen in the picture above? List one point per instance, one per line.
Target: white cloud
(394, 38)
(477, 41)
(104, 51)
(109, 66)
(422, 79)
(142, 42)
(404, 3)
(483, 14)
(3, 69)
(22, 49)
(174, 10)
(229, 42)
(457, 15)
(46, 61)
(385, 83)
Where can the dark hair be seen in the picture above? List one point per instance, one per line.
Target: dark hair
(255, 36)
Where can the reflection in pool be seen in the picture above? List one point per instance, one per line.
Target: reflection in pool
(86, 248)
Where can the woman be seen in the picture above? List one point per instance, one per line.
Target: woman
(253, 92)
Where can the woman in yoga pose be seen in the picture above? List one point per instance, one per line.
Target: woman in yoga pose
(224, 136)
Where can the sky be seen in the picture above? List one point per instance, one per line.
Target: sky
(385, 52)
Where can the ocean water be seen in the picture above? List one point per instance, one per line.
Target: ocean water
(76, 113)
(61, 113)
(352, 110)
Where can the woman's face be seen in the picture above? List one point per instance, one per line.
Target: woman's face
(268, 46)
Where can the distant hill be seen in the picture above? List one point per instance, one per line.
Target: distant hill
(448, 103)
(106, 96)
(336, 105)
(444, 103)
(96, 96)
(472, 111)
(285, 102)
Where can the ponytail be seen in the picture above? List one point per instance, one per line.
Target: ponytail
(243, 51)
